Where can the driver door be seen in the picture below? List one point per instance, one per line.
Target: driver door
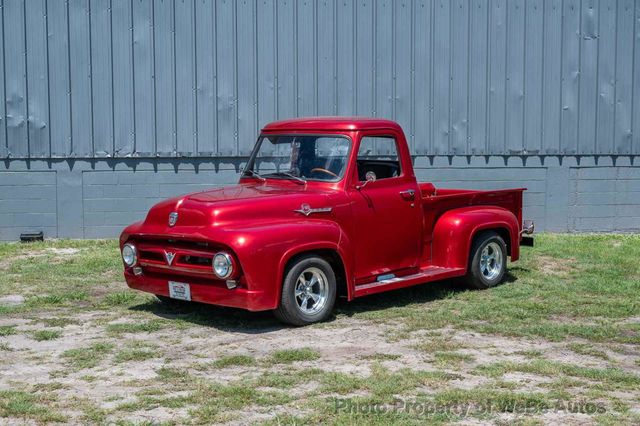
(387, 212)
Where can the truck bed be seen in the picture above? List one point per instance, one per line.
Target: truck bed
(437, 201)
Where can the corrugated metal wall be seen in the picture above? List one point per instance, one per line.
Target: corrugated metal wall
(165, 78)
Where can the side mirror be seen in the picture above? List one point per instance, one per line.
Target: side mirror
(369, 177)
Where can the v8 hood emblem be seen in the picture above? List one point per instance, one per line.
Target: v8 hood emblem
(169, 256)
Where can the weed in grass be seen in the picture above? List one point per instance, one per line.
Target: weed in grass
(87, 357)
(529, 353)
(438, 344)
(128, 355)
(612, 376)
(42, 335)
(286, 356)
(49, 387)
(135, 327)
(56, 299)
(381, 382)
(7, 330)
(452, 358)
(5, 347)
(119, 298)
(57, 322)
(28, 406)
(587, 349)
(382, 357)
(233, 360)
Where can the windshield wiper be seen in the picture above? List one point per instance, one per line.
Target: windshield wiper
(289, 175)
(254, 174)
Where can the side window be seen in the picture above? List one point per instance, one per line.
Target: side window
(378, 155)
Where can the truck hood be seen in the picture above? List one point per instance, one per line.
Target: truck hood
(236, 205)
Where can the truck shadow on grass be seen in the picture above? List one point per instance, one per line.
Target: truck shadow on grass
(240, 321)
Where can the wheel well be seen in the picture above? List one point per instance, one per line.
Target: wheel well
(334, 259)
(504, 234)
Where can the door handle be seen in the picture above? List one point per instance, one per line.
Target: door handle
(409, 194)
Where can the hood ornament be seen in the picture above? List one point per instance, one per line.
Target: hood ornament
(169, 256)
(306, 210)
(173, 218)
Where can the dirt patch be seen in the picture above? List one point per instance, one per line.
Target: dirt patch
(113, 384)
(554, 266)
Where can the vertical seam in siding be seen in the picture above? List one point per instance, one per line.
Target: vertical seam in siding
(633, 86)
(335, 56)
(46, 23)
(91, 109)
(615, 83)
(214, 35)
(579, 35)
(4, 83)
(133, 85)
(561, 76)
(468, 141)
(394, 58)
(194, 86)
(175, 83)
(524, 81)
(275, 62)
(450, 82)
(431, 65)
(316, 53)
(235, 78)
(26, 75)
(296, 80)
(487, 86)
(374, 56)
(542, 77)
(113, 114)
(256, 93)
(354, 9)
(69, 80)
(152, 34)
(412, 102)
(506, 78)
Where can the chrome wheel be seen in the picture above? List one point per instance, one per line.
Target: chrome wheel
(491, 261)
(311, 290)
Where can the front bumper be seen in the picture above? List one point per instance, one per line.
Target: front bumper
(214, 293)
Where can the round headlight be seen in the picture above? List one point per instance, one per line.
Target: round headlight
(222, 265)
(129, 254)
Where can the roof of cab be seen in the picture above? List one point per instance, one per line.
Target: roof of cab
(331, 123)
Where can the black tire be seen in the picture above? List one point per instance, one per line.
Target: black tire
(476, 276)
(289, 311)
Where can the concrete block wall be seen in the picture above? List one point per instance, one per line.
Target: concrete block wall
(97, 199)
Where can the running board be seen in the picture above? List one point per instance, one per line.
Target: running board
(428, 274)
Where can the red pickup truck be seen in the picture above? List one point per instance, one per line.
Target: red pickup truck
(325, 207)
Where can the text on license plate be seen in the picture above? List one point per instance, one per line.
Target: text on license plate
(180, 291)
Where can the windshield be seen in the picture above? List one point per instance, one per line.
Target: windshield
(299, 157)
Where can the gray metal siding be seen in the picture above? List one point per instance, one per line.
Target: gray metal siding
(174, 78)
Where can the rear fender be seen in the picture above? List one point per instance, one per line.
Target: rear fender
(454, 232)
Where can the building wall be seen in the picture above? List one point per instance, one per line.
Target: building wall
(111, 105)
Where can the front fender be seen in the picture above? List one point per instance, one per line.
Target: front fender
(265, 251)
(454, 232)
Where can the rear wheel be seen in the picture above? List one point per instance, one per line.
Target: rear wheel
(308, 292)
(488, 260)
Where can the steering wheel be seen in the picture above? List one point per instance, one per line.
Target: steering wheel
(329, 172)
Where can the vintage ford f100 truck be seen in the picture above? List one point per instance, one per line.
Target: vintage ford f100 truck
(325, 207)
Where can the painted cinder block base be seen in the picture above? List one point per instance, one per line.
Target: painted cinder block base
(96, 199)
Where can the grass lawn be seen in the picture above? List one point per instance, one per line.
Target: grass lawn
(559, 342)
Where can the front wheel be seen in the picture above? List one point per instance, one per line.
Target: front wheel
(487, 260)
(308, 292)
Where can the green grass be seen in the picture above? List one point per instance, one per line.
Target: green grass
(27, 406)
(128, 355)
(87, 357)
(285, 356)
(581, 291)
(233, 360)
(42, 335)
(589, 301)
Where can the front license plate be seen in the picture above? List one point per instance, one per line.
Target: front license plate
(180, 291)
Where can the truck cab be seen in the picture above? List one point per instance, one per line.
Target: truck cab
(325, 207)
